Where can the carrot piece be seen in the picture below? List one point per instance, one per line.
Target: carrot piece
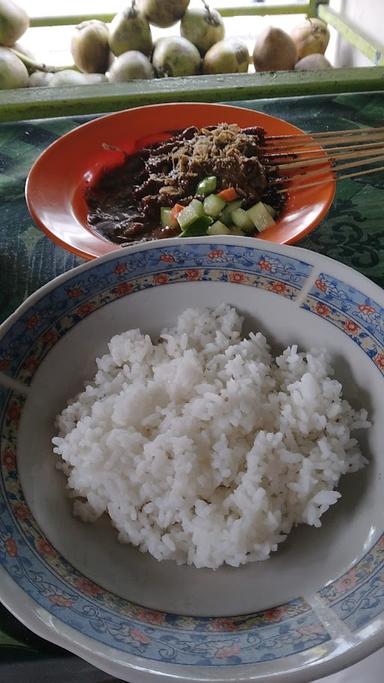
(229, 194)
(176, 210)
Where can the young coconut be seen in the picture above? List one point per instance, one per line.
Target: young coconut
(203, 26)
(176, 56)
(14, 21)
(39, 79)
(90, 46)
(274, 51)
(229, 56)
(130, 66)
(130, 30)
(315, 62)
(310, 37)
(72, 77)
(163, 13)
(25, 56)
(13, 73)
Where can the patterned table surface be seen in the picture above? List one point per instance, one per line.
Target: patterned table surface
(353, 232)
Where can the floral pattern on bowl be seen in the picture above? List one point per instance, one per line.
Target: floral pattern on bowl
(27, 342)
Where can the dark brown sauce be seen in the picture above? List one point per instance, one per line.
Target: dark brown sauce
(124, 204)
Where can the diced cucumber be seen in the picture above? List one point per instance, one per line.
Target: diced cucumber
(213, 205)
(207, 185)
(226, 214)
(168, 220)
(191, 212)
(218, 228)
(198, 227)
(236, 231)
(270, 210)
(242, 220)
(260, 216)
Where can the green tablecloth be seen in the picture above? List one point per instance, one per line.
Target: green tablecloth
(353, 232)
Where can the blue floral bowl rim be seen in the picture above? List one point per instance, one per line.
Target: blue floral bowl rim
(49, 627)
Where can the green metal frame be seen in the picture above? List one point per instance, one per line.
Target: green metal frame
(353, 35)
(32, 103)
(309, 8)
(50, 102)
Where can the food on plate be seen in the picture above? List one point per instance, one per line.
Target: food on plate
(163, 13)
(129, 30)
(14, 22)
(310, 36)
(274, 50)
(130, 66)
(228, 56)
(175, 56)
(206, 448)
(199, 181)
(203, 27)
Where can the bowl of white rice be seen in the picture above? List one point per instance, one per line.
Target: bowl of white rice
(191, 461)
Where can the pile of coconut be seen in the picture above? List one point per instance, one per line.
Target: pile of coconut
(124, 50)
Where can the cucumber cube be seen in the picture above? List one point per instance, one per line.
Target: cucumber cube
(218, 228)
(207, 185)
(270, 210)
(199, 227)
(213, 205)
(237, 231)
(226, 214)
(242, 220)
(260, 217)
(191, 212)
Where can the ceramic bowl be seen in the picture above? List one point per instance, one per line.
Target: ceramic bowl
(58, 181)
(317, 604)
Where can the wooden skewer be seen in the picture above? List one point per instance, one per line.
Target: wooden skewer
(326, 134)
(308, 141)
(304, 163)
(290, 155)
(363, 162)
(344, 176)
(322, 171)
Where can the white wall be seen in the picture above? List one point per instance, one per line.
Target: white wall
(367, 15)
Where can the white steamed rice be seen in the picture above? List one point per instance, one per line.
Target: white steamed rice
(204, 448)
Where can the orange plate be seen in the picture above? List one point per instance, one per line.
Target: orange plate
(56, 184)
